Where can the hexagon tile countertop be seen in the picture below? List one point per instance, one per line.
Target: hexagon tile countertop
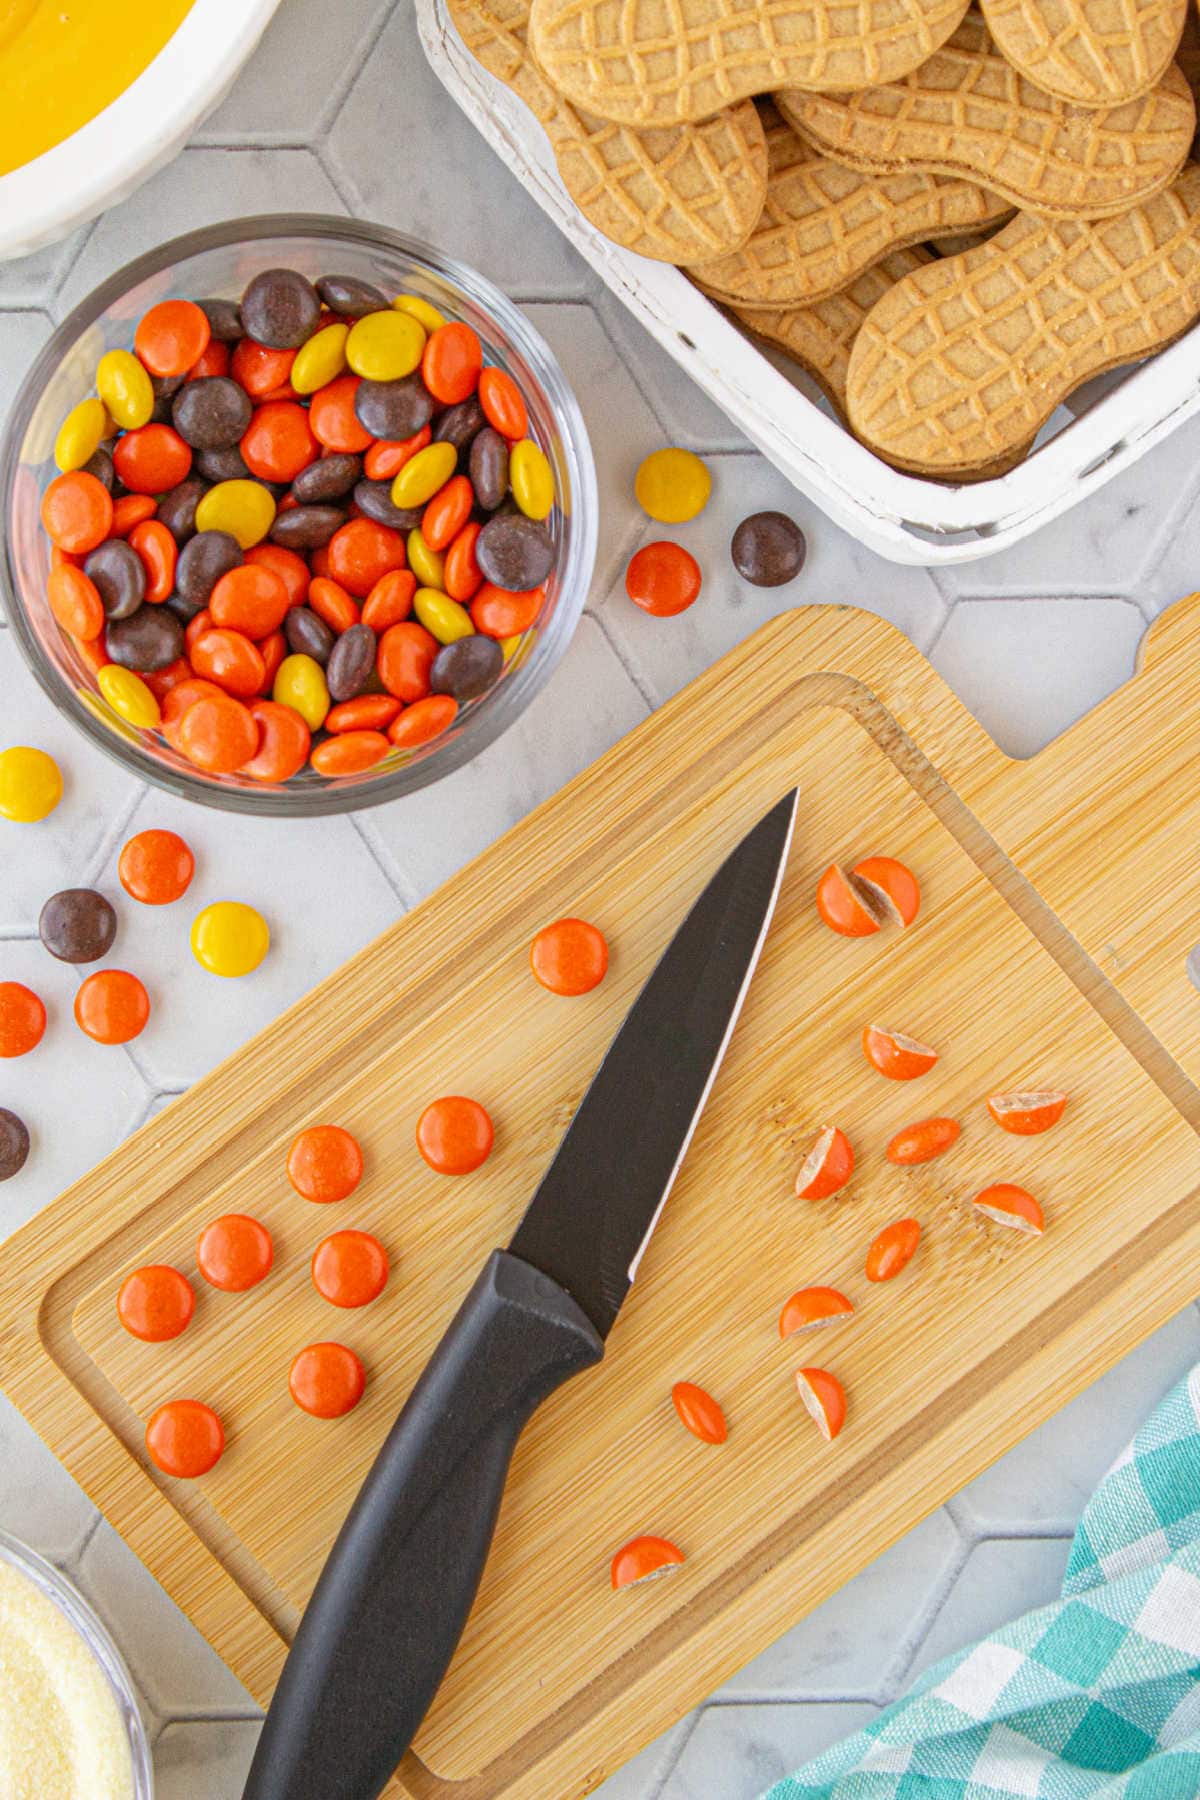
(338, 112)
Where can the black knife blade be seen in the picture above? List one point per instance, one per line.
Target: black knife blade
(395, 1592)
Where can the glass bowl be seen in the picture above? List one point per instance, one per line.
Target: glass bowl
(79, 1615)
(218, 262)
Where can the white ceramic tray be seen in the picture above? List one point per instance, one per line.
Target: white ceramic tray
(142, 129)
(900, 516)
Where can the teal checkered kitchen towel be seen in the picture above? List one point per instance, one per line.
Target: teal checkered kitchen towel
(1094, 1698)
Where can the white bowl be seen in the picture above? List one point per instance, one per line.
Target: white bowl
(142, 129)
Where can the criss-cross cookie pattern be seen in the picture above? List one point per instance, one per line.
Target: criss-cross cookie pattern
(823, 224)
(660, 62)
(967, 111)
(821, 336)
(962, 361)
(1092, 52)
(676, 193)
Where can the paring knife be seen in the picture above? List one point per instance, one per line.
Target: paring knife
(394, 1595)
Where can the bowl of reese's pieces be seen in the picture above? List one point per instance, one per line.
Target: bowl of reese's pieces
(299, 515)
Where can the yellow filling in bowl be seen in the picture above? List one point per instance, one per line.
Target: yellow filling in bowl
(63, 61)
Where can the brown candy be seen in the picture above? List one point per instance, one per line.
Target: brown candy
(14, 1144)
(768, 549)
(77, 925)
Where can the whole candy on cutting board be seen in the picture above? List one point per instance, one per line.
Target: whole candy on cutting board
(236, 537)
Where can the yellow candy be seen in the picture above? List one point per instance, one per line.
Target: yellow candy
(531, 479)
(81, 434)
(230, 938)
(124, 386)
(129, 697)
(444, 617)
(246, 509)
(100, 709)
(300, 684)
(424, 311)
(429, 566)
(510, 645)
(421, 477)
(321, 360)
(671, 485)
(385, 346)
(30, 784)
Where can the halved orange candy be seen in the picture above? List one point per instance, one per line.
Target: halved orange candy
(921, 1142)
(825, 1398)
(893, 1250)
(644, 1558)
(842, 907)
(827, 1167)
(1025, 1114)
(895, 1055)
(1010, 1205)
(812, 1307)
(888, 887)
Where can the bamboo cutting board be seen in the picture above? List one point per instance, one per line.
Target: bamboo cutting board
(1051, 950)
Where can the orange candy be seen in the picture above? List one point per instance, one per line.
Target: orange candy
(811, 1307)
(151, 459)
(330, 601)
(172, 337)
(350, 1268)
(461, 572)
(77, 512)
(332, 418)
(842, 907)
(75, 601)
(422, 722)
(159, 553)
(503, 404)
(278, 442)
(283, 743)
(387, 456)
(390, 600)
(251, 599)
(326, 1380)
(451, 363)
(362, 551)
(217, 733)
(825, 1399)
(1012, 1206)
(405, 658)
(22, 1019)
(892, 1250)
(569, 957)
(1028, 1114)
(699, 1412)
(447, 513)
(349, 753)
(229, 657)
(368, 712)
(454, 1135)
(131, 510)
(898, 1057)
(291, 569)
(325, 1163)
(234, 1253)
(642, 1559)
(156, 1303)
(260, 369)
(498, 612)
(214, 361)
(921, 1142)
(112, 1006)
(890, 887)
(156, 867)
(827, 1167)
(185, 1438)
(663, 579)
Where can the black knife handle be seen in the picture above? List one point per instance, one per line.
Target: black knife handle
(393, 1597)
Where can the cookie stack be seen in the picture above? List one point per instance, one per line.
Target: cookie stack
(951, 218)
